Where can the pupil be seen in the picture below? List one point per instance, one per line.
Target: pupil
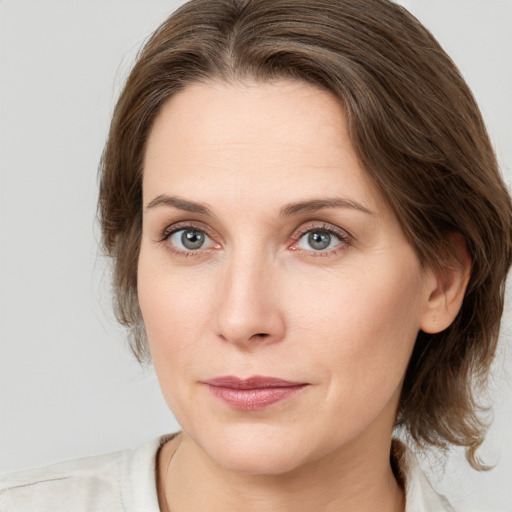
(318, 240)
(192, 239)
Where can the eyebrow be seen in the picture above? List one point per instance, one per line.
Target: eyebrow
(319, 204)
(286, 211)
(181, 204)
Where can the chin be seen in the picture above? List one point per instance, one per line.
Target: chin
(257, 460)
(256, 450)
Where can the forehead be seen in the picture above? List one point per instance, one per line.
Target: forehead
(226, 141)
(219, 110)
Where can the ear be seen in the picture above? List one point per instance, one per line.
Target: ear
(446, 287)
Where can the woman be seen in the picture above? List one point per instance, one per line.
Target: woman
(310, 239)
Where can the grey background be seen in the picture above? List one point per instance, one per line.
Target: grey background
(68, 386)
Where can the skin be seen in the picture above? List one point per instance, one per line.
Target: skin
(257, 299)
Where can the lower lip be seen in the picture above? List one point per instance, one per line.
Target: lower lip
(256, 398)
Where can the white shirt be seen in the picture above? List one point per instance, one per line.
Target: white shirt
(125, 481)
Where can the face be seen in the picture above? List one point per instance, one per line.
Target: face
(280, 297)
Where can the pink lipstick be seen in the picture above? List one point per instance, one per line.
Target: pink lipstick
(254, 393)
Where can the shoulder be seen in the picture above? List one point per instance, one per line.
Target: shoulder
(101, 482)
(64, 486)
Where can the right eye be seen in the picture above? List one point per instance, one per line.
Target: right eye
(190, 239)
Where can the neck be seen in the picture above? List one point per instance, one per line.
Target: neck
(349, 481)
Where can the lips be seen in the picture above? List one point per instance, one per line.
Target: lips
(253, 393)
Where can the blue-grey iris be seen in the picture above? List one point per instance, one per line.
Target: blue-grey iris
(192, 239)
(319, 240)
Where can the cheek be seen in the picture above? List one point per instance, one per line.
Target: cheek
(174, 309)
(171, 299)
(360, 331)
(360, 304)
(377, 325)
(172, 323)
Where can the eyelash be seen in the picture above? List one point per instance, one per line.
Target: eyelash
(184, 226)
(343, 236)
(345, 239)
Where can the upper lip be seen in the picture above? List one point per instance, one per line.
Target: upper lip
(256, 382)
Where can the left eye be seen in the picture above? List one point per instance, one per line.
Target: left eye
(190, 239)
(318, 240)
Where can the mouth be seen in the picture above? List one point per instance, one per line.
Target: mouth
(254, 393)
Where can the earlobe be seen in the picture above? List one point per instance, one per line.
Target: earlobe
(446, 287)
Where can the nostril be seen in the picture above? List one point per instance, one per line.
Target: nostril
(262, 334)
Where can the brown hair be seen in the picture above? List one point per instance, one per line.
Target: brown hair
(417, 131)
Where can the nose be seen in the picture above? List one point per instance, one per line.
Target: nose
(249, 312)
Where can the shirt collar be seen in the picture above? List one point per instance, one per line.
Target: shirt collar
(420, 496)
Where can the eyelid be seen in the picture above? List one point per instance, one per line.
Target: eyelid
(185, 224)
(171, 229)
(343, 236)
(321, 226)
